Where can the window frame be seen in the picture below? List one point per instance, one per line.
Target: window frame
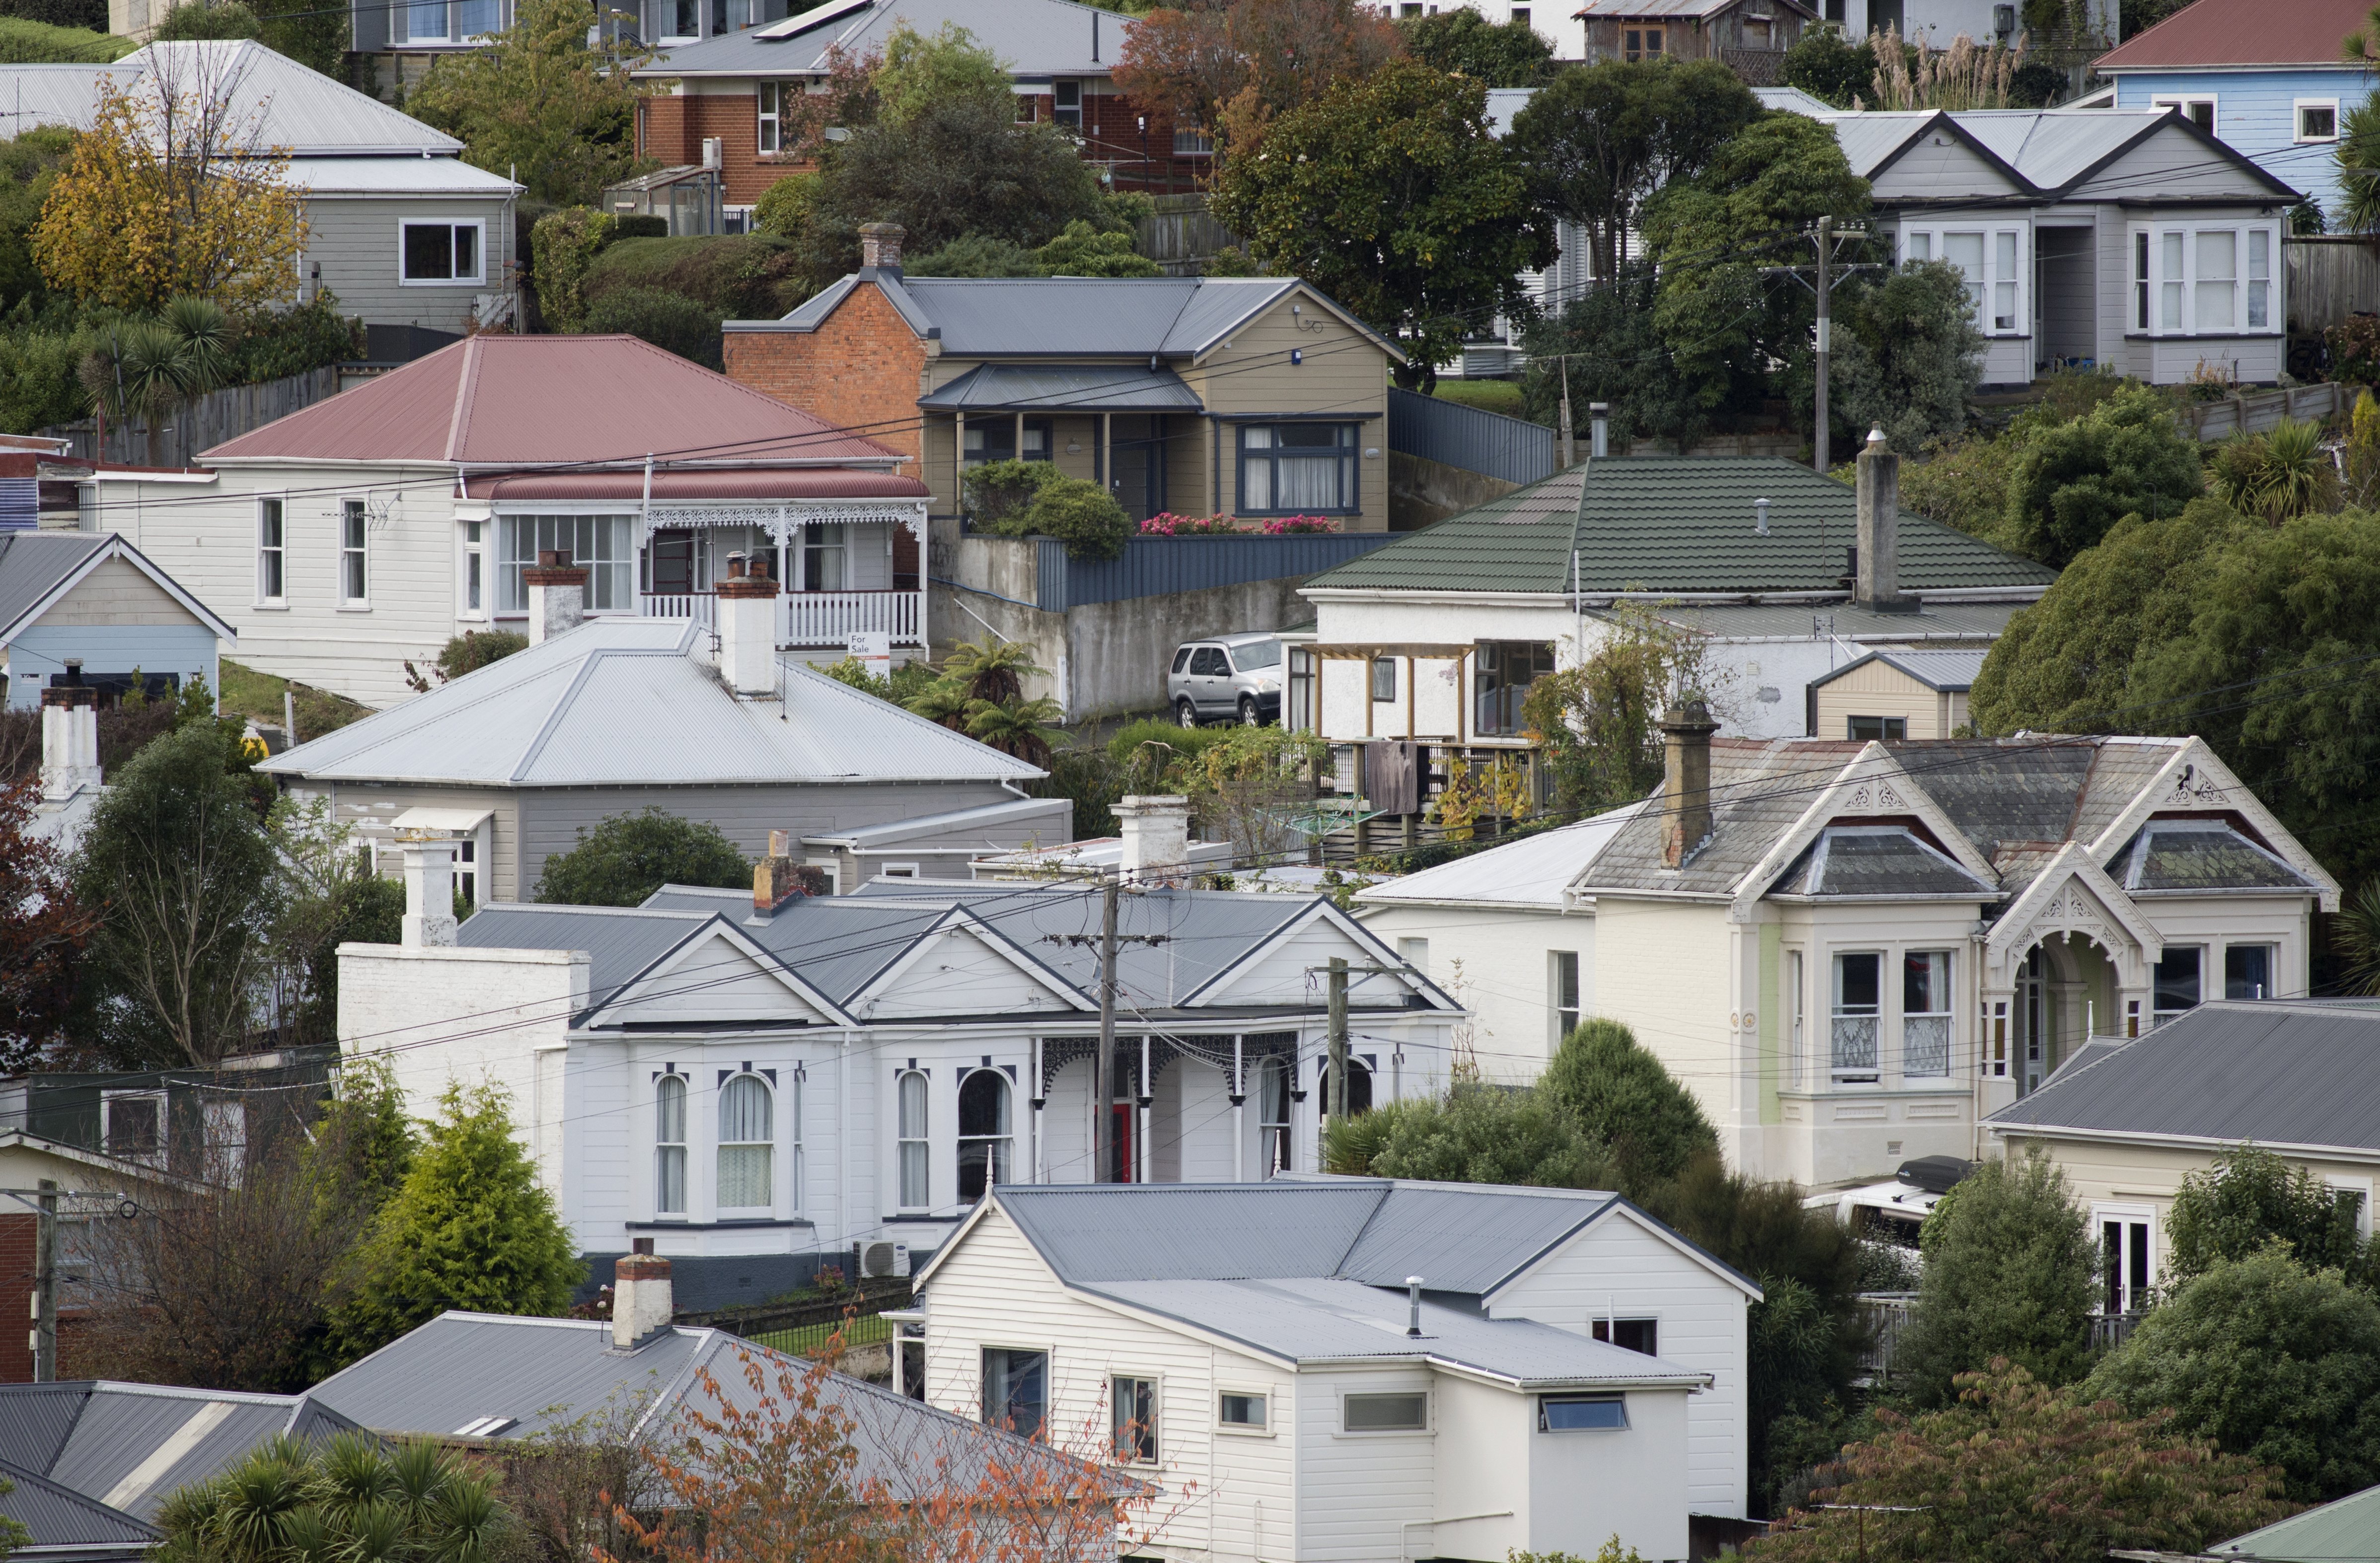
(2148, 246)
(903, 1141)
(2141, 1285)
(1346, 449)
(768, 125)
(155, 1155)
(272, 552)
(1148, 1447)
(1347, 1397)
(663, 1146)
(1262, 1397)
(2272, 967)
(355, 557)
(1494, 695)
(2187, 102)
(1614, 1398)
(1946, 1013)
(1276, 1137)
(472, 583)
(2298, 107)
(478, 225)
(1643, 44)
(983, 1391)
(1379, 666)
(1064, 113)
(1888, 730)
(614, 576)
(1984, 290)
(1870, 1074)
(2158, 1014)
(1562, 982)
(722, 1145)
(1000, 1157)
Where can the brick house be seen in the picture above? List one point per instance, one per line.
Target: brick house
(726, 84)
(1255, 395)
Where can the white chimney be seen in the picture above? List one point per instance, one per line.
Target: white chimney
(557, 595)
(642, 1302)
(1875, 581)
(1599, 416)
(747, 626)
(69, 735)
(1156, 839)
(429, 891)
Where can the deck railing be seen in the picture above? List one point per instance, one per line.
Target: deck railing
(810, 618)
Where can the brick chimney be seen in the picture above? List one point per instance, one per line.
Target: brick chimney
(69, 734)
(642, 1302)
(777, 879)
(1156, 840)
(557, 595)
(879, 246)
(747, 626)
(1876, 582)
(1686, 730)
(429, 891)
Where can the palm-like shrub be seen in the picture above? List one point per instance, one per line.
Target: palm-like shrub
(350, 1501)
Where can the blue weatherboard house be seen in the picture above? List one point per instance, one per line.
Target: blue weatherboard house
(2262, 76)
(95, 598)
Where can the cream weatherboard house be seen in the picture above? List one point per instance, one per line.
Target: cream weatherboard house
(1855, 952)
(1344, 1368)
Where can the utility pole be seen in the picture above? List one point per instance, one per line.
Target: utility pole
(45, 1284)
(1826, 343)
(1568, 443)
(1334, 1089)
(1103, 1069)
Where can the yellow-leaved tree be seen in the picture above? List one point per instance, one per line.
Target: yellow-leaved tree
(172, 193)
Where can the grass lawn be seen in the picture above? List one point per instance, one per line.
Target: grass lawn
(867, 1330)
(257, 695)
(1488, 395)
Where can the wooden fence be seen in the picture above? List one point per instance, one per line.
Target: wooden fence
(2330, 278)
(175, 437)
(1181, 235)
(2257, 411)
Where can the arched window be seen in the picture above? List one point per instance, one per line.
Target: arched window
(669, 1146)
(1359, 1089)
(1272, 1114)
(983, 1131)
(916, 1190)
(744, 1169)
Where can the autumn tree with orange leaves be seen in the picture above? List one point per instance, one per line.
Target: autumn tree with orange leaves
(1236, 66)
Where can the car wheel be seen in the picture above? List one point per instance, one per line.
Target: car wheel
(1249, 716)
(1185, 714)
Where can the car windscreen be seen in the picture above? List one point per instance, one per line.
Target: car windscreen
(1257, 654)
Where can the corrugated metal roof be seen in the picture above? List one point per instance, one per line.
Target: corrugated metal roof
(2047, 153)
(1949, 670)
(625, 702)
(619, 941)
(395, 176)
(38, 1418)
(2233, 1071)
(1172, 317)
(1310, 1320)
(966, 824)
(1603, 10)
(1535, 871)
(767, 484)
(294, 108)
(2347, 1530)
(505, 399)
(34, 563)
(58, 1518)
(1074, 387)
(2234, 34)
(1033, 38)
(1668, 524)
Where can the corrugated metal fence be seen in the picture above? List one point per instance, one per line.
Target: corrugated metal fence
(176, 436)
(1159, 566)
(1453, 435)
(2329, 279)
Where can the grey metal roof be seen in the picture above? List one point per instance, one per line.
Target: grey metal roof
(66, 1525)
(292, 107)
(1938, 620)
(627, 702)
(1033, 38)
(1535, 871)
(1949, 672)
(2045, 153)
(1890, 861)
(2276, 1072)
(33, 564)
(972, 827)
(2345, 1531)
(1069, 387)
(115, 1429)
(1656, 9)
(1307, 1319)
(544, 1373)
(2195, 856)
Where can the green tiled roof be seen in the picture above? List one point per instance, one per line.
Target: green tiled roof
(1682, 524)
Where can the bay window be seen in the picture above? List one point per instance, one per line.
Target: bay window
(2210, 279)
(1993, 260)
(1926, 1013)
(599, 544)
(1297, 469)
(1859, 992)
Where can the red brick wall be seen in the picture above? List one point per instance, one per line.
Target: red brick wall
(673, 129)
(17, 1232)
(858, 370)
(1111, 135)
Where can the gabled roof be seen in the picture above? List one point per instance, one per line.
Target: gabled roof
(1534, 872)
(629, 702)
(502, 399)
(1108, 388)
(2276, 1072)
(2345, 1531)
(1036, 39)
(37, 569)
(65, 1526)
(296, 109)
(1671, 524)
(1136, 318)
(1683, 10)
(1945, 671)
(2241, 35)
(2045, 155)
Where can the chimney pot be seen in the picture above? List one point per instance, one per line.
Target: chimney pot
(1760, 517)
(1413, 1296)
(777, 879)
(69, 735)
(880, 246)
(747, 626)
(1686, 730)
(1875, 559)
(641, 1304)
(557, 595)
(1599, 421)
(429, 917)
(1155, 833)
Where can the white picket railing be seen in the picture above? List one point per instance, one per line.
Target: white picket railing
(811, 618)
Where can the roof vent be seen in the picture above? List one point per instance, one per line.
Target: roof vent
(1412, 1297)
(1760, 517)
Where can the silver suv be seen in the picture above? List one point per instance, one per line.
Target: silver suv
(1236, 677)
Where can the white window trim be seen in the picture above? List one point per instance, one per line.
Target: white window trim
(464, 550)
(280, 602)
(478, 251)
(684, 1145)
(2186, 102)
(158, 1157)
(899, 1140)
(1241, 1429)
(718, 1211)
(1157, 1381)
(1992, 231)
(2297, 121)
(1428, 1427)
(770, 123)
(339, 553)
(2158, 233)
(2339, 1182)
(2118, 1210)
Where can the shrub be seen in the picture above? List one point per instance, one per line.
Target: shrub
(2248, 1201)
(2355, 350)
(1622, 1095)
(191, 20)
(466, 652)
(736, 276)
(628, 856)
(562, 246)
(88, 16)
(784, 208)
(24, 41)
(668, 320)
(977, 255)
(1476, 1134)
(999, 492)
(1081, 252)
(284, 341)
(1081, 514)
(2126, 457)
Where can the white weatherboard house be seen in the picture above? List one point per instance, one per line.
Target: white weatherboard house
(1853, 953)
(1344, 1368)
(727, 1073)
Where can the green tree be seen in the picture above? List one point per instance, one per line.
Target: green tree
(466, 652)
(1910, 355)
(1622, 1097)
(1599, 719)
(1474, 1134)
(919, 71)
(2008, 1272)
(1607, 343)
(2248, 1201)
(1391, 194)
(2017, 1472)
(1599, 139)
(2128, 456)
(670, 321)
(977, 255)
(628, 856)
(231, 18)
(1080, 252)
(12, 1534)
(537, 103)
(1460, 42)
(2269, 1360)
(1825, 63)
(471, 1228)
(562, 245)
(364, 1148)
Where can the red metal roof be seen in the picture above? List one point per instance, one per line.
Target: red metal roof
(2243, 32)
(727, 483)
(495, 399)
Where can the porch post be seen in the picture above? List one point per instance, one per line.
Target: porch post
(1239, 1108)
(1146, 1095)
(1033, 1124)
(1020, 435)
(958, 462)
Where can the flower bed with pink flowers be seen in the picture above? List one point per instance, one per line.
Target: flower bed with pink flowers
(1172, 526)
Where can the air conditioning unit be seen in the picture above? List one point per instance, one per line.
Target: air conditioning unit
(880, 1259)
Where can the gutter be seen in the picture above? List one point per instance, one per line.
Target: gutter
(2186, 1142)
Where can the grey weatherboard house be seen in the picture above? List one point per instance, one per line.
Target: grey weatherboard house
(94, 597)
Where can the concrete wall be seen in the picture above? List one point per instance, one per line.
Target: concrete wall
(1105, 658)
(1422, 491)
